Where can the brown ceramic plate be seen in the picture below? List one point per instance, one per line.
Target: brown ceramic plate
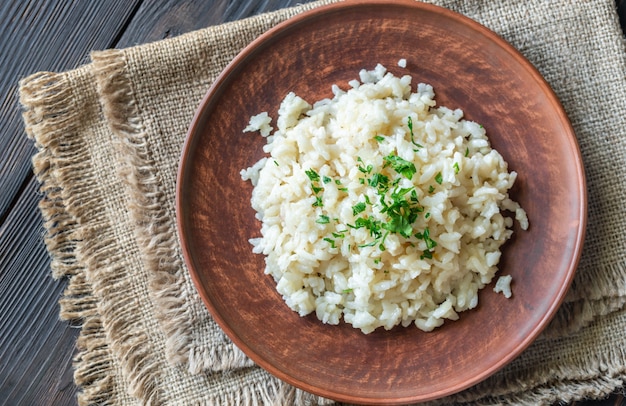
(470, 68)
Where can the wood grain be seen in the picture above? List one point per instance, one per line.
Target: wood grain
(44, 35)
(174, 17)
(35, 348)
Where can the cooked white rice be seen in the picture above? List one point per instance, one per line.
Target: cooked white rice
(503, 285)
(379, 208)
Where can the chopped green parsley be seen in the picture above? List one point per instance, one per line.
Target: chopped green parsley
(323, 219)
(399, 206)
(439, 178)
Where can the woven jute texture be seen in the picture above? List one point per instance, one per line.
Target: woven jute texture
(109, 136)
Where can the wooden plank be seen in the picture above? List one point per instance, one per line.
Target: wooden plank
(35, 347)
(160, 19)
(38, 35)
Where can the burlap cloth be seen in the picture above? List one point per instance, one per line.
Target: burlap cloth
(109, 135)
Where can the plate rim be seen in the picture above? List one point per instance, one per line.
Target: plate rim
(520, 59)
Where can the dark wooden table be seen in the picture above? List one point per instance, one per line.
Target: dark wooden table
(36, 349)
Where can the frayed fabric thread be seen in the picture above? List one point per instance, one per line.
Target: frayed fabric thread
(50, 118)
(114, 364)
(155, 231)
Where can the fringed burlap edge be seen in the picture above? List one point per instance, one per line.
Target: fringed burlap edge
(147, 205)
(154, 215)
(50, 120)
(601, 377)
(156, 229)
(156, 234)
(268, 390)
(60, 111)
(576, 315)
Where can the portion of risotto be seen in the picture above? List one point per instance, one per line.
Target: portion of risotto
(378, 207)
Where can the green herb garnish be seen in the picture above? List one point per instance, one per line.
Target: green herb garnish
(322, 219)
(409, 124)
(430, 243)
(364, 169)
(313, 176)
(378, 180)
(331, 242)
(400, 165)
(358, 208)
(399, 205)
(402, 212)
(439, 178)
